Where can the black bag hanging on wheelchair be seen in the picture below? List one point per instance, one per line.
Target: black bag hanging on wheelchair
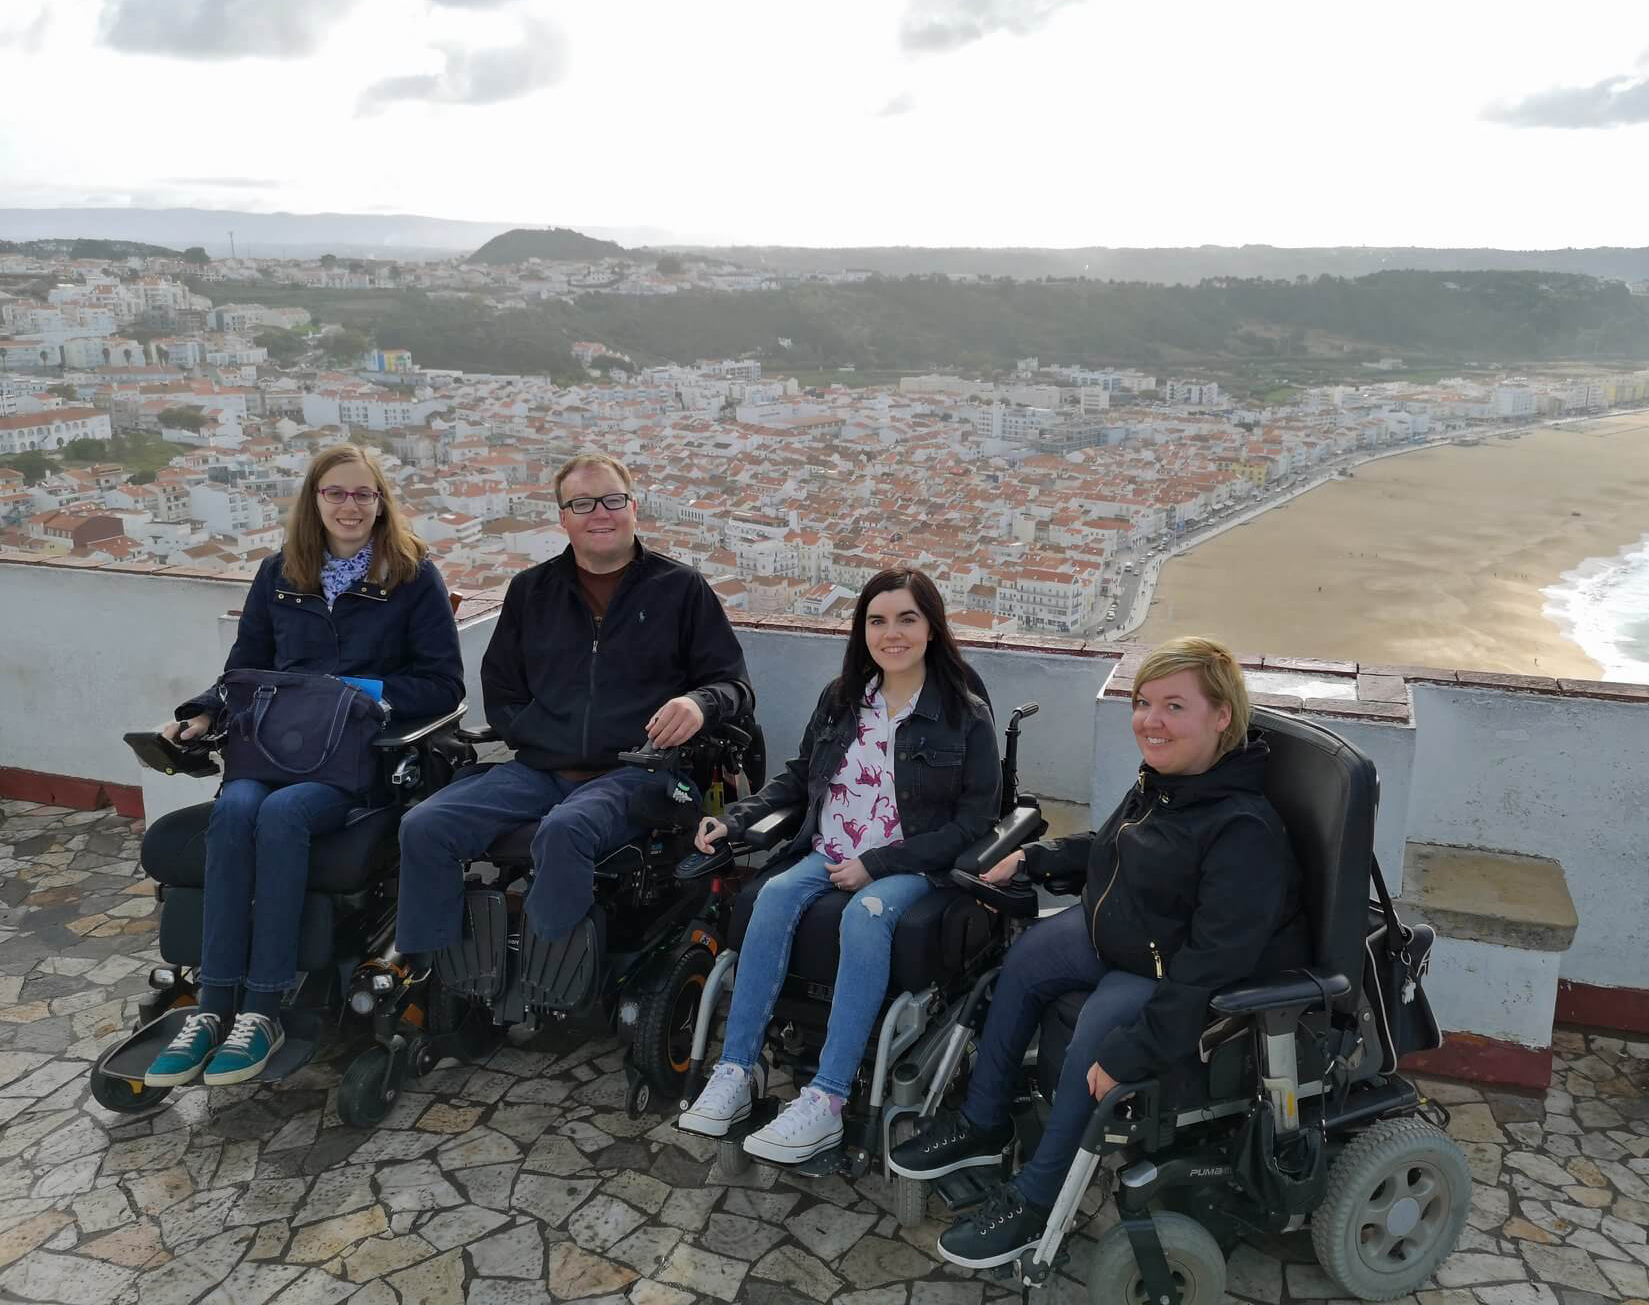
(1284, 1174)
(1396, 959)
(286, 728)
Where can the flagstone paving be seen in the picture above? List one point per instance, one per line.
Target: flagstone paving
(522, 1181)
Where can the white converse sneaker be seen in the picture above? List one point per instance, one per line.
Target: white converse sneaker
(806, 1127)
(724, 1101)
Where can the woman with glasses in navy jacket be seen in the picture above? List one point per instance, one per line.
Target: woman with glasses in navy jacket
(352, 593)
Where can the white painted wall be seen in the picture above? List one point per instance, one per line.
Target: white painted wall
(1498, 992)
(87, 654)
(1566, 778)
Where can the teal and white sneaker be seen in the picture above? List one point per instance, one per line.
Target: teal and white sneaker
(245, 1052)
(185, 1053)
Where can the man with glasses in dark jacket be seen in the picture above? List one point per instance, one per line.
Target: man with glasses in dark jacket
(595, 650)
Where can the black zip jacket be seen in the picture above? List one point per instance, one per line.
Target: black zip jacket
(405, 636)
(1191, 881)
(567, 699)
(947, 780)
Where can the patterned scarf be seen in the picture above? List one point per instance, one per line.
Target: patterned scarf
(340, 573)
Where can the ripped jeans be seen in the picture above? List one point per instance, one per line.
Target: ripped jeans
(861, 973)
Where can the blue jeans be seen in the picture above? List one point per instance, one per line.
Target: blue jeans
(1052, 958)
(257, 868)
(868, 923)
(438, 836)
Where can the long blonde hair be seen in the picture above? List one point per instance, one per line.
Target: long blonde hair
(396, 551)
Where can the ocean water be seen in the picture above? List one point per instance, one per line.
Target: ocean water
(1603, 605)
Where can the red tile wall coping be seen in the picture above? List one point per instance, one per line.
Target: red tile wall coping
(1128, 655)
(70, 791)
(1478, 1059)
(1626, 1009)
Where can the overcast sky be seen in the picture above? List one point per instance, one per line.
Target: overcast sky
(847, 122)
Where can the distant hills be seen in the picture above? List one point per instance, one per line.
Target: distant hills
(1184, 265)
(410, 236)
(555, 243)
(276, 235)
(82, 248)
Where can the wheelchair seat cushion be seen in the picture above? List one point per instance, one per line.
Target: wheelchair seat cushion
(344, 861)
(937, 939)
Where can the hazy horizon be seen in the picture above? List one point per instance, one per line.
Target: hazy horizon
(1043, 124)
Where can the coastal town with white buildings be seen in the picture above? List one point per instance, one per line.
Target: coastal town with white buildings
(1033, 499)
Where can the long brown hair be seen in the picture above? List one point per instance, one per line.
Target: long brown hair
(396, 551)
(943, 657)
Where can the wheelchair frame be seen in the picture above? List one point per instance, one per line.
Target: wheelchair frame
(1131, 1119)
(408, 751)
(641, 868)
(921, 1037)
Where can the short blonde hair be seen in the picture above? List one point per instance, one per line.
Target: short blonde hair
(580, 461)
(1218, 675)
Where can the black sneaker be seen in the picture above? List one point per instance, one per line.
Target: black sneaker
(949, 1143)
(1003, 1228)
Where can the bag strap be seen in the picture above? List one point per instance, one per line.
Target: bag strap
(340, 718)
(1387, 909)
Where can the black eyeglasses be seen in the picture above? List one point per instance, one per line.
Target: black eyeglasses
(336, 494)
(583, 506)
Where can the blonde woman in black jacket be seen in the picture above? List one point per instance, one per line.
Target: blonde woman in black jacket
(1190, 885)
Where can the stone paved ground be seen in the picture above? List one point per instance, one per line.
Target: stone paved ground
(523, 1181)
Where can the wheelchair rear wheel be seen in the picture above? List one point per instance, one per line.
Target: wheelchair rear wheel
(1193, 1256)
(1397, 1201)
(663, 1044)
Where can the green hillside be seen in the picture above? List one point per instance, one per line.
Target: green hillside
(553, 243)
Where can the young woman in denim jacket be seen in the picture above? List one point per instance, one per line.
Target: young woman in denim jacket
(352, 594)
(900, 773)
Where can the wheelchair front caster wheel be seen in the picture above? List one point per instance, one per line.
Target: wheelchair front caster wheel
(1194, 1263)
(126, 1096)
(731, 1158)
(638, 1098)
(363, 1098)
(910, 1200)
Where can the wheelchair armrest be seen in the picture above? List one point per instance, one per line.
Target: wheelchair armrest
(770, 829)
(404, 733)
(1017, 897)
(1296, 988)
(480, 734)
(1020, 826)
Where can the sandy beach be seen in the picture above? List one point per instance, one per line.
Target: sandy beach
(1437, 558)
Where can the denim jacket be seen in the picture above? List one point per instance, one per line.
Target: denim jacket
(947, 780)
(405, 636)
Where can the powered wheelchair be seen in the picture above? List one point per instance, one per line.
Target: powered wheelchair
(348, 911)
(1301, 1061)
(634, 965)
(942, 946)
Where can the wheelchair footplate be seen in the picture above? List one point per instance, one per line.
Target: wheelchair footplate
(131, 1059)
(763, 1111)
(966, 1188)
(564, 974)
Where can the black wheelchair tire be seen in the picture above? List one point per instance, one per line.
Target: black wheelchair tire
(118, 1094)
(663, 1042)
(361, 1099)
(1193, 1257)
(1391, 1151)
